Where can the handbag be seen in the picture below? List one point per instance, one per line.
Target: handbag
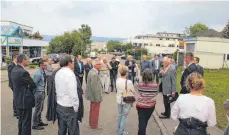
(172, 99)
(128, 95)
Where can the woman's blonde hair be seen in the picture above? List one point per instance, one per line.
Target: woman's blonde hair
(195, 81)
(123, 70)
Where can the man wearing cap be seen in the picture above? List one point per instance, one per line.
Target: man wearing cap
(226, 106)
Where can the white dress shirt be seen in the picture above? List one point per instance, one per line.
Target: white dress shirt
(199, 107)
(66, 88)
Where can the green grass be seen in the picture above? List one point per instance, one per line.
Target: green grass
(217, 88)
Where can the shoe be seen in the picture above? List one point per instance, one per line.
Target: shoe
(17, 117)
(107, 92)
(38, 128)
(43, 124)
(163, 113)
(164, 117)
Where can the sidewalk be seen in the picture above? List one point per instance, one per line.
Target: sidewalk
(170, 124)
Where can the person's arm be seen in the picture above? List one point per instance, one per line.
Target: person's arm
(94, 83)
(173, 80)
(10, 68)
(130, 86)
(211, 119)
(75, 69)
(36, 78)
(87, 68)
(82, 66)
(175, 110)
(109, 66)
(27, 80)
(72, 90)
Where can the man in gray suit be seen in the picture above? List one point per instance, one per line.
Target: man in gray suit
(156, 64)
(94, 94)
(226, 106)
(168, 78)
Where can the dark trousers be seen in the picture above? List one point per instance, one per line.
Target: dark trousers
(14, 105)
(24, 123)
(113, 78)
(81, 81)
(86, 78)
(67, 120)
(155, 74)
(39, 105)
(167, 105)
(94, 114)
(144, 115)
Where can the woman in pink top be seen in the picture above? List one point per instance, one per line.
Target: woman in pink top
(146, 101)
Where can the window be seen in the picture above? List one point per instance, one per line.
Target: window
(160, 38)
(171, 45)
(145, 44)
(157, 44)
(167, 38)
(227, 56)
(140, 44)
(151, 45)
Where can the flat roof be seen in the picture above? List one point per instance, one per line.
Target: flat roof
(16, 23)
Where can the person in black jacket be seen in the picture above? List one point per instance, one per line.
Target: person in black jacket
(196, 61)
(131, 65)
(190, 68)
(24, 98)
(79, 68)
(88, 66)
(113, 73)
(10, 68)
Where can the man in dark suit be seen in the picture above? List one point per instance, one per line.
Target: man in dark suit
(168, 79)
(10, 68)
(88, 66)
(24, 98)
(79, 68)
(131, 65)
(190, 68)
(196, 61)
(113, 73)
(156, 65)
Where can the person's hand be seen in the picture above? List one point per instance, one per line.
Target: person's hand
(162, 71)
(173, 94)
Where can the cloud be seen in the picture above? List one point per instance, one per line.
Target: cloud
(116, 18)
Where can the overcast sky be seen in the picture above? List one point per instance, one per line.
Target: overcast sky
(116, 18)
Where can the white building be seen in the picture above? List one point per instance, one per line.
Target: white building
(98, 45)
(213, 52)
(14, 41)
(25, 28)
(161, 43)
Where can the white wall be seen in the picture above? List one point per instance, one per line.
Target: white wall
(210, 60)
(215, 45)
(34, 42)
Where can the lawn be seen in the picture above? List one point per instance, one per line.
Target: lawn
(217, 88)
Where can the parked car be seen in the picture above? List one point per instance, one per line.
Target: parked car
(93, 55)
(54, 57)
(35, 59)
(123, 57)
(62, 55)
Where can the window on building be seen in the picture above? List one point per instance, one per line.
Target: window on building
(151, 44)
(140, 44)
(167, 38)
(157, 44)
(145, 44)
(227, 56)
(160, 38)
(171, 45)
(190, 47)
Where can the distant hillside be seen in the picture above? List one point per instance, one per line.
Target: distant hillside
(93, 38)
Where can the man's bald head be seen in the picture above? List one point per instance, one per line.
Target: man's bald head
(166, 62)
(97, 64)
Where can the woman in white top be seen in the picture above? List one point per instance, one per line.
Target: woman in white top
(194, 110)
(123, 108)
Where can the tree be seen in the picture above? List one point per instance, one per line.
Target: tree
(126, 47)
(198, 27)
(74, 42)
(225, 32)
(114, 45)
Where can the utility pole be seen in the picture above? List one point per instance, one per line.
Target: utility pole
(81, 47)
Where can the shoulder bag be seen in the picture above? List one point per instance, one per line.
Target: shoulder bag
(128, 95)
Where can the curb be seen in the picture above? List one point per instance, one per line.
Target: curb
(162, 127)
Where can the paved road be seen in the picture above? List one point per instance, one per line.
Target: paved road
(107, 120)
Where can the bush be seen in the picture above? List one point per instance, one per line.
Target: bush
(8, 60)
(32, 66)
(148, 57)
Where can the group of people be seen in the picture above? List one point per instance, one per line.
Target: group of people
(65, 93)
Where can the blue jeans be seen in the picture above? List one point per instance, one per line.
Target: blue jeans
(123, 111)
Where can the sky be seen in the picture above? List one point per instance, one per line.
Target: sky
(123, 19)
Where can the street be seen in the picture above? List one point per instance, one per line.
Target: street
(107, 118)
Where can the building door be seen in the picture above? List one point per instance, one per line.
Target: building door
(181, 59)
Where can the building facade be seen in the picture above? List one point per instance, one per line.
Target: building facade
(161, 43)
(14, 41)
(213, 52)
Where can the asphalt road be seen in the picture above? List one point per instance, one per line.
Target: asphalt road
(107, 118)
